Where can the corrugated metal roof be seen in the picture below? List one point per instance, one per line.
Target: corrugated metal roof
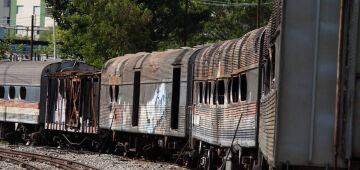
(154, 67)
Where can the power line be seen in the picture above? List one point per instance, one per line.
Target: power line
(227, 4)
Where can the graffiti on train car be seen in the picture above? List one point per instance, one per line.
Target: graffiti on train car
(155, 109)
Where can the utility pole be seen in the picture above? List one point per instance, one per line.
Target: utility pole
(54, 35)
(32, 37)
(258, 14)
(186, 20)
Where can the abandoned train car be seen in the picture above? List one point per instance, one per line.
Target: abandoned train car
(29, 95)
(145, 93)
(225, 96)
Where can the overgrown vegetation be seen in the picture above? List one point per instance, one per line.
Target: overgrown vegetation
(97, 30)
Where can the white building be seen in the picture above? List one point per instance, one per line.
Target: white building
(20, 16)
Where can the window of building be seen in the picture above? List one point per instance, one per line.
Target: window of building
(200, 92)
(228, 95)
(111, 93)
(235, 89)
(2, 92)
(19, 30)
(36, 10)
(11, 92)
(116, 93)
(136, 98)
(22, 93)
(221, 92)
(19, 9)
(6, 3)
(243, 87)
(48, 12)
(209, 92)
(175, 98)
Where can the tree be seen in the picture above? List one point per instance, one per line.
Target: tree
(5, 48)
(98, 30)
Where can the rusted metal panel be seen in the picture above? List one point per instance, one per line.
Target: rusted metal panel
(228, 57)
(72, 101)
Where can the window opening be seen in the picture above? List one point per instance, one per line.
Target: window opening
(228, 95)
(200, 92)
(206, 93)
(22, 93)
(11, 92)
(235, 89)
(215, 93)
(116, 93)
(136, 98)
(272, 63)
(209, 92)
(175, 100)
(111, 93)
(243, 87)
(221, 92)
(2, 92)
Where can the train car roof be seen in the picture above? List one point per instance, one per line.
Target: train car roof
(29, 73)
(228, 57)
(154, 67)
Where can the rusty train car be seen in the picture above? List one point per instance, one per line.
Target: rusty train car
(36, 95)
(283, 96)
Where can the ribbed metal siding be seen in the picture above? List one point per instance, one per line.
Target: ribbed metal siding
(217, 125)
(267, 125)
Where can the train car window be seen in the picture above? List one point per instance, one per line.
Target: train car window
(235, 89)
(200, 92)
(22, 93)
(214, 94)
(272, 63)
(267, 76)
(116, 93)
(221, 92)
(136, 98)
(243, 87)
(209, 92)
(175, 98)
(111, 93)
(229, 91)
(2, 92)
(206, 92)
(11, 92)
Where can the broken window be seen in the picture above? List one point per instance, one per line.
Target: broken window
(116, 93)
(221, 92)
(11, 92)
(214, 94)
(228, 95)
(206, 92)
(175, 97)
(136, 98)
(2, 92)
(209, 92)
(243, 87)
(200, 92)
(111, 93)
(22, 93)
(272, 52)
(235, 89)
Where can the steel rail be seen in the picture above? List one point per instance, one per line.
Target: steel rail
(17, 162)
(58, 162)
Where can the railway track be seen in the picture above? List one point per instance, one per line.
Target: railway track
(12, 155)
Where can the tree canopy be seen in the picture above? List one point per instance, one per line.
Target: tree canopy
(97, 30)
